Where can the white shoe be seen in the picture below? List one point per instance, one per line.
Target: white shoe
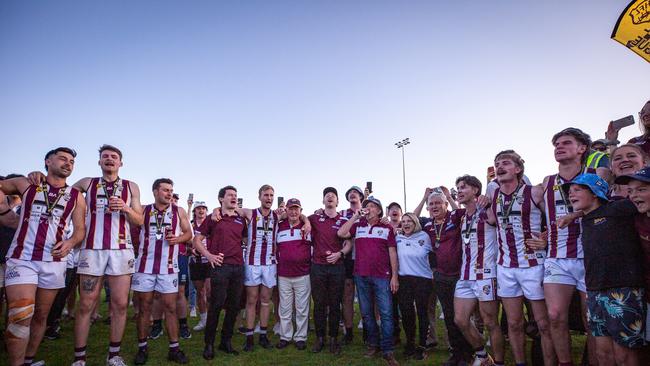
(193, 312)
(79, 363)
(199, 326)
(38, 363)
(360, 326)
(276, 328)
(442, 315)
(115, 361)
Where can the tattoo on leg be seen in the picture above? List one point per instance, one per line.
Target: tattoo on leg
(88, 285)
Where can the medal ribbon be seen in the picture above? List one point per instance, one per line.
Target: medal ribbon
(506, 211)
(46, 192)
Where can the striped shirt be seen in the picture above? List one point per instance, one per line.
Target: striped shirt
(155, 254)
(566, 242)
(518, 217)
(260, 250)
(479, 247)
(107, 229)
(40, 226)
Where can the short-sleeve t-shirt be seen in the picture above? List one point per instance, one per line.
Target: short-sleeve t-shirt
(226, 236)
(642, 224)
(413, 255)
(324, 236)
(293, 250)
(613, 255)
(447, 247)
(371, 243)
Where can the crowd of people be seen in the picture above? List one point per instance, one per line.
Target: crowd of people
(515, 253)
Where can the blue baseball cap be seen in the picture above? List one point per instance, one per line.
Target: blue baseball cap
(642, 175)
(597, 185)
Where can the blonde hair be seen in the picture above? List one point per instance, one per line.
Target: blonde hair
(415, 220)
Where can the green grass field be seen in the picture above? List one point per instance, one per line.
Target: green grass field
(60, 352)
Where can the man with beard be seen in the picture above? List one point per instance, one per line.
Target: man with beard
(36, 266)
(165, 227)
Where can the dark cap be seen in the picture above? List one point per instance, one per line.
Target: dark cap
(642, 175)
(390, 205)
(292, 202)
(330, 189)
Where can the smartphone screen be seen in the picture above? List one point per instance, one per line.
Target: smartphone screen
(369, 186)
(280, 201)
(240, 202)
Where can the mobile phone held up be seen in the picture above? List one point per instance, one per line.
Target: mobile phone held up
(623, 122)
(369, 187)
(280, 201)
(240, 202)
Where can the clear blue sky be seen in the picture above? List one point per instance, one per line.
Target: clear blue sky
(303, 95)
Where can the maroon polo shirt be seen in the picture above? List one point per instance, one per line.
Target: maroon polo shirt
(293, 251)
(226, 236)
(447, 248)
(324, 236)
(371, 243)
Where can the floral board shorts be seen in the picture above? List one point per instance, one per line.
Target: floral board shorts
(618, 313)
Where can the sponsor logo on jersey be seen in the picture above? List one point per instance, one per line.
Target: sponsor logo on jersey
(487, 289)
(131, 263)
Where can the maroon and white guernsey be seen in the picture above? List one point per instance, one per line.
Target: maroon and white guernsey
(45, 216)
(260, 250)
(294, 251)
(155, 255)
(566, 242)
(518, 217)
(479, 247)
(107, 229)
(347, 214)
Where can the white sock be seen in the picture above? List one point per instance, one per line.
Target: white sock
(204, 317)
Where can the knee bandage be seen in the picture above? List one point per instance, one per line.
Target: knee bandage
(18, 311)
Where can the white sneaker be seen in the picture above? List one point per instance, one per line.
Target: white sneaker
(199, 326)
(360, 326)
(79, 363)
(193, 312)
(38, 363)
(115, 361)
(276, 328)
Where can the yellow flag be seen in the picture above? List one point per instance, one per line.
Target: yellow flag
(632, 29)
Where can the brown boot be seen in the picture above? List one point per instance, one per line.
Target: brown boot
(390, 359)
(371, 352)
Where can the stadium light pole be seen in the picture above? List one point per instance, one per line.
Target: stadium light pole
(400, 145)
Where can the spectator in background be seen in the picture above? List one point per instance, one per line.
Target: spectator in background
(644, 124)
(626, 159)
(416, 279)
(444, 231)
(375, 273)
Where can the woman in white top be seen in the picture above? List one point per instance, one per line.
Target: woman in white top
(416, 282)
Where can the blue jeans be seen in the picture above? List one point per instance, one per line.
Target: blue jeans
(377, 290)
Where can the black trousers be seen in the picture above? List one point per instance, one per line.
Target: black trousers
(61, 298)
(413, 289)
(227, 283)
(327, 283)
(445, 288)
